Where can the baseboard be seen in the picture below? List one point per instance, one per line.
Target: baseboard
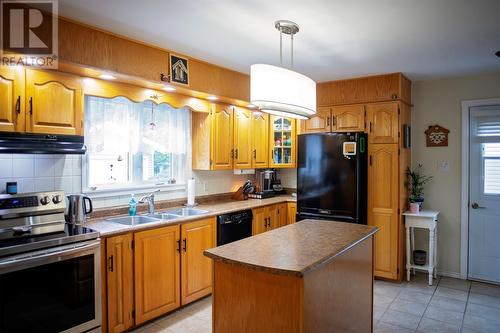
(455, 275)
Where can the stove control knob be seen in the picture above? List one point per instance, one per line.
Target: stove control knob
(56, 199)
(44, 200)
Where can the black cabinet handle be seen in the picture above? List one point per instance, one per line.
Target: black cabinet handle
(370, 159)
(370, 126)
(232, 153)
(184, 246)
(18, 104)
(328, 121)
(31, 105)
(236, 153)
(111, 263)
(179, 245)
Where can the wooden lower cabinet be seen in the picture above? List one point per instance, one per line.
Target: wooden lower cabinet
(291, 212)
(120, 283)
(282, 214)
(157, 266)
(383, 196)
(152, 272)
(268, 218)
(196, 269)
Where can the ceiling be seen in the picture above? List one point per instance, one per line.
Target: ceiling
(338, 38)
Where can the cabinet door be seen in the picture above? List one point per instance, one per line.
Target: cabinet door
(273, 216)
(157, 283)
(383, 197)
(242, 139)
(382, 122)
(292, 212)
(222, 138)
(12, 100)
(282, 214)
(259, 220)
(348, 118)
(282, 142)
(320, 122)
(120, 287)
(260, 137)
(196, 269)
(54, 103)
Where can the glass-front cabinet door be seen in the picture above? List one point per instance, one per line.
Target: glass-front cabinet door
(283, 142)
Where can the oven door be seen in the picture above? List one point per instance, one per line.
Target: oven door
(53, 290)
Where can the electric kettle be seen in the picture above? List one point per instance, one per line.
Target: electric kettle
(79, 206)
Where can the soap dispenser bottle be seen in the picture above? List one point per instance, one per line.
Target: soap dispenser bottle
(132, 206)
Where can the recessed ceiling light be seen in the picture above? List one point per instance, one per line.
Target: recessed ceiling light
(168, 88)
(497, 53)
(212, 98)
(107, 77)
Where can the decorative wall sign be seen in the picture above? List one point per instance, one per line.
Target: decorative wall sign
(179, 70)
(437, 136)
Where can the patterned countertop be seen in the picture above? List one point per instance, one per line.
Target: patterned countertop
(294, 249)
(107, 228)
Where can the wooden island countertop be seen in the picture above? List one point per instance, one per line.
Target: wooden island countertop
(294, 249)
(311, 276)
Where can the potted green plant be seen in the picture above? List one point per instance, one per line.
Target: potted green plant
(415, 184)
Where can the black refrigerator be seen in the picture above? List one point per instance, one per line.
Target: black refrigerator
(332, 177)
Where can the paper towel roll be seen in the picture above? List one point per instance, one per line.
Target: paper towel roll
(190, 192)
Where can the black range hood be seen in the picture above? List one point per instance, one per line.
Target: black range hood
(28, 143)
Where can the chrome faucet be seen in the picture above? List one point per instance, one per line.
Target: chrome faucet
(150, 199)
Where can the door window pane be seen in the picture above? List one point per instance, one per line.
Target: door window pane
(491, 164)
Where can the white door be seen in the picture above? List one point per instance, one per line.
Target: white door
(484, 194)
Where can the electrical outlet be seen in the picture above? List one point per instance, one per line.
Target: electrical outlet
(205, 187)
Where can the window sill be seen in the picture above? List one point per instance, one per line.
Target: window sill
(136, 190)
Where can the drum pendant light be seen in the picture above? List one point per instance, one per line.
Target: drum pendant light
(280, 91)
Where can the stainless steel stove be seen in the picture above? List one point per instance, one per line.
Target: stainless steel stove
(49, 269)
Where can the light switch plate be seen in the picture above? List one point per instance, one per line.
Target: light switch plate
(443, 166)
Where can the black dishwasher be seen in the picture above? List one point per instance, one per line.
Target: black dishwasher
(234, 226)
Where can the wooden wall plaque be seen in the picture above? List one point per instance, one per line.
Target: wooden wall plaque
(437, 136)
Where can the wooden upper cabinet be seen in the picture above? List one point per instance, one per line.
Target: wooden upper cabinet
(120, 283)
(282, 142)
(157, 272)
(383, 195)
(12, 100)
(320, 122)
(379, 88)
(382, 122)
(242, 138)
(222, 137)
(196, 269)
(260, 140)
(348, 118)
(54, 103)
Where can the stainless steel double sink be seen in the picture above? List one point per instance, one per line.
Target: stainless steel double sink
(168, 215)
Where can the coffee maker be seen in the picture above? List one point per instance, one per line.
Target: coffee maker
(264, 185)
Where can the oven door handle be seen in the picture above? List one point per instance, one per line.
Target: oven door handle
(51, 255)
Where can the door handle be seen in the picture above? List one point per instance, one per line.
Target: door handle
(185, 245)
(179, 245)
(18, 104)
(475, 205)
(31, 105)
(111, 263)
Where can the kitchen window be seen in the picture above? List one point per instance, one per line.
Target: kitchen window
(134, 145)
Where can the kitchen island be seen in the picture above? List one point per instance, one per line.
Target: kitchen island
(311, 276)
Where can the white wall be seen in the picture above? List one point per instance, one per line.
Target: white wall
(439, 102)
(64, 172)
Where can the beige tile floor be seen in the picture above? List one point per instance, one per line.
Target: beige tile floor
(450, 305)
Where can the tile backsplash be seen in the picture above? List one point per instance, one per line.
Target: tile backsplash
(41, 172)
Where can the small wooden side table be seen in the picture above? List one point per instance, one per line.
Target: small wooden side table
(424, 220)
